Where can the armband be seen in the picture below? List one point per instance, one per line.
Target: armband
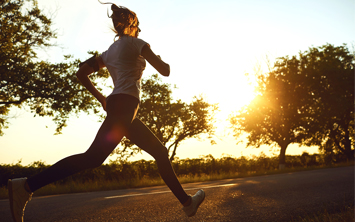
(92, 62)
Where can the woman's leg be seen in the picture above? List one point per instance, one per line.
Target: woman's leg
(121, 110)
(140, 135)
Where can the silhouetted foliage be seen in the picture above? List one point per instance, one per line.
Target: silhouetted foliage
(206, 165)
(171, 121)
(47, 89)
(307, 100)
(329, 75)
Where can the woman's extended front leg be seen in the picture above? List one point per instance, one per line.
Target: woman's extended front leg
(140, 135)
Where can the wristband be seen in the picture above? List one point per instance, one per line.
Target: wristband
(92, 62)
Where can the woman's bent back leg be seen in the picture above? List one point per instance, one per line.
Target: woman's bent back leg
(121, 110)
(93, 157)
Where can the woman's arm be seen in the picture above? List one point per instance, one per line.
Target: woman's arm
(83, 75)
(162, 67)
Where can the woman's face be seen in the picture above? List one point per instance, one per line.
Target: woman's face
(138, 30)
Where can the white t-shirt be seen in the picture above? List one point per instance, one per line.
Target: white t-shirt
(125, 64)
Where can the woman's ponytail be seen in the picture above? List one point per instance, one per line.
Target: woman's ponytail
(125, 21)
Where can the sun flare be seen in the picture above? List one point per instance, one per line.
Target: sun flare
(235, 94)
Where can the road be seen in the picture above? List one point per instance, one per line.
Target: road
(280, 197)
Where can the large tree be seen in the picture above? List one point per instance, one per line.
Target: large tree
(273, 115)
(47, 89)
(171, 121)
(329, 73)
(306, 100)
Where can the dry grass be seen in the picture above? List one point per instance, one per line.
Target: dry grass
(345, 215)
(89, 186)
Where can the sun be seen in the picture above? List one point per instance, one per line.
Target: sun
(235, 94)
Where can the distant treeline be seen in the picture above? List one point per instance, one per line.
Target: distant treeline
(125, 170)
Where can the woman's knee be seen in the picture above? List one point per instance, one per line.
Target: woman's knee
(92, 160)
(159, 151)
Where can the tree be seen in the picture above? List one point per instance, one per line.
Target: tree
(47, 89)
(171, 121)
(273, 115)
(329, 72)
(305, 100)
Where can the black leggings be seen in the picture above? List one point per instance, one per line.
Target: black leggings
(120, 121)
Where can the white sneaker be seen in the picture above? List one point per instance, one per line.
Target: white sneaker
(18, 197)
(196, 200)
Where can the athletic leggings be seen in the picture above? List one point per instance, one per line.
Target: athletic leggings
(120, 121)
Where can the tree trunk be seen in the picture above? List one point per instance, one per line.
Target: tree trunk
(282, 157)
(174, 153)
(347, 146)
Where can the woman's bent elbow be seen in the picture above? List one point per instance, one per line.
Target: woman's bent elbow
(79, 75)
(166, 71)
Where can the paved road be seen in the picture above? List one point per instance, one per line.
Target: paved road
(281, 197)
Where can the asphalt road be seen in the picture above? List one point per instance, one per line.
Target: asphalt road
(282, 197)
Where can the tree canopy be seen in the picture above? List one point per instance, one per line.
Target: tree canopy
(307, 100)
(171, 121)
(47, 89)
(329, 73)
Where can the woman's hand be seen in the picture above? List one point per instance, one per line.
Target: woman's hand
(83, 75)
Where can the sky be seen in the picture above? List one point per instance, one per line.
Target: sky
(210, 46)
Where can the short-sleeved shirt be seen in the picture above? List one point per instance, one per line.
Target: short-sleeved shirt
(125, 64)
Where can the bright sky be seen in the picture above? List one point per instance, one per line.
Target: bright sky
(209, 45)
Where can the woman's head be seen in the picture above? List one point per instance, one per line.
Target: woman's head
(125, 21)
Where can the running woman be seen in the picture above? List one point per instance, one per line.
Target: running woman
(125, 61)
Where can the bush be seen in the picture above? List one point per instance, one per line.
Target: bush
(137, 170)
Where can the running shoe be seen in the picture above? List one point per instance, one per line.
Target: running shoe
(18, 197)
(196, 200)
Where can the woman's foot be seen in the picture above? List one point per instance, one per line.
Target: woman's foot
(18, 197)
(196, 200)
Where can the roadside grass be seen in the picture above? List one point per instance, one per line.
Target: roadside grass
(89, 186)
(345, 215)
(98, 185)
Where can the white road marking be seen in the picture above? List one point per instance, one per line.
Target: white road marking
(168, 191)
